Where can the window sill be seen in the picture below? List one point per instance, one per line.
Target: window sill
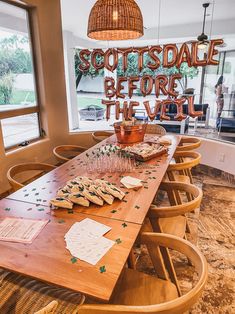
(15, 149)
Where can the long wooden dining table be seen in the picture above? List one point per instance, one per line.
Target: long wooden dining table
(47, 258)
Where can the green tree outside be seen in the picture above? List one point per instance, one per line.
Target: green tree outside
(92, 72)
(13, 60)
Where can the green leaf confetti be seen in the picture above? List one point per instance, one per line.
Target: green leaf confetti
(73, 260)
(102, 269)
(61, 221)
(118, 241)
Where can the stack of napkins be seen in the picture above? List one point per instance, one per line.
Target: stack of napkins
(85, 240)
(131, 183)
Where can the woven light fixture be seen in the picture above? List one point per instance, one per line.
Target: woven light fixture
(115, 20)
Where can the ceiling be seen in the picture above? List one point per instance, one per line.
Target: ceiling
(164, 21)
(178, 18)
(12, 10)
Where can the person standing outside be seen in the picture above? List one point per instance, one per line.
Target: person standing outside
(219, 98)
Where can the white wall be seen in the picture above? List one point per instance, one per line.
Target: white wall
(93, 85)
(24, 81)
(218, 155)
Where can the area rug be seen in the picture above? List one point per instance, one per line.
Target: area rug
(212, 230)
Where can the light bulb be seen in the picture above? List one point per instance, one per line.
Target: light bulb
(115, 15)
(202, 45)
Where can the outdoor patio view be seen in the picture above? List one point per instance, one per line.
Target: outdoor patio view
(17, 88)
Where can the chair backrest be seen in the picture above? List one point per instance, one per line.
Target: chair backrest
(155, 129)
(20, 168)
(99, 136)
(188, 143)
(178, 207)
(185, 160)
(66, 152)
(154, 243)
(49, 309)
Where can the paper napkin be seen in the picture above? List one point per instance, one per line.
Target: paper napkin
(165, 140)
(131, 182)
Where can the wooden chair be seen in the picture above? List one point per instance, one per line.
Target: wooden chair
(49, 309)
(66, 152)
(155, 129)
(181, 169)
(137, 292)
(171, 219)
(41, 169)
(188, 143)
(99, 136)
(21, 294)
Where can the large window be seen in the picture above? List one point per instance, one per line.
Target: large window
(19, 108)
(164, 23)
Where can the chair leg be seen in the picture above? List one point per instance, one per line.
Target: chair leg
(131, 261)
(189, 262)
(188, 230)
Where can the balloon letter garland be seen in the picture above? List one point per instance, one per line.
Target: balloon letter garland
(172, 55)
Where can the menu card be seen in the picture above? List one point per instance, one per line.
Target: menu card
(85, 240)
(20, 229)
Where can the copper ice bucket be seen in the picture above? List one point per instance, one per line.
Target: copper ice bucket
(129, 134)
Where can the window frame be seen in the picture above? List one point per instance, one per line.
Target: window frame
(33, 109)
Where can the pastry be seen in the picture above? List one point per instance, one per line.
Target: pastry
(62, 202)
(102, 193)
(84, 180)
(64, 192)
(93, 197)
(113, 190)
(78, 198)
(110, 188)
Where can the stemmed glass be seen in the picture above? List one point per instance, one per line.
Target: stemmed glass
(109, 158)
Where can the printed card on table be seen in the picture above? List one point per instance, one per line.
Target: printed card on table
(20, 229)
(85, 240)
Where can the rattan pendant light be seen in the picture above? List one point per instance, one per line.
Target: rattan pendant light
(115, 20)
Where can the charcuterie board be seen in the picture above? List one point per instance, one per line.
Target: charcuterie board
(145, 151)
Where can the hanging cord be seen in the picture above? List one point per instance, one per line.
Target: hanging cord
(107, 49)
(210, 34)
(212, 18)
(159, 21)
